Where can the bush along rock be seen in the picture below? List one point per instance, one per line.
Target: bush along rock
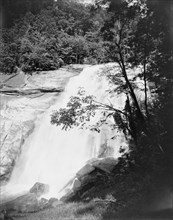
(95, 173)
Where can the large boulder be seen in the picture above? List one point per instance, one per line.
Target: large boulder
(105, 164)
(86, 170)
(69, 196)
(95, 173)
(76, 184)
(39, 189)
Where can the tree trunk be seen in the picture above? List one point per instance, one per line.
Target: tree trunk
(145, 90)
(132, 93)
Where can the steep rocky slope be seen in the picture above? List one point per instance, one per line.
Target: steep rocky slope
(24, 98)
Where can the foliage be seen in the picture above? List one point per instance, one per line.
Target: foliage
(63, 33)
(75, 113)
(136, 34)
(139, 34)
(81, 108)
(13, 10)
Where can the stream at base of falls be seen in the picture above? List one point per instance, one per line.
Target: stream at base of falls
(51, 155)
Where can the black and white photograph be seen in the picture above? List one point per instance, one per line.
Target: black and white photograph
(86, 109)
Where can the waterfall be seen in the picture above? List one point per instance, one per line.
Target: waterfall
(51, 155)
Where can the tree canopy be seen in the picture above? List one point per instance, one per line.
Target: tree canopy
(135, 34)
(61, 32)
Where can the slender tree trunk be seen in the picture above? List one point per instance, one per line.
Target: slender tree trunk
(145, 90)
(76, 58)
(132, 93)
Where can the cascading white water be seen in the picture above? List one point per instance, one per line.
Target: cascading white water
(52, 155)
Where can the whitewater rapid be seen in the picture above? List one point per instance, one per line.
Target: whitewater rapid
(51, 155)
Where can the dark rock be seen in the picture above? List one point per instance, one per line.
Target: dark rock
(25, 92)
(77, 184)
(87, 169)
(95, 173)
(69, 196)
(105, 164)
(39, 189)
(82, 187)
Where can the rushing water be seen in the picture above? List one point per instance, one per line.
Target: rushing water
(52, 155)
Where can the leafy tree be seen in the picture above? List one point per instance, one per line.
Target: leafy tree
(48, 39)
(135, 35)
(13, 10)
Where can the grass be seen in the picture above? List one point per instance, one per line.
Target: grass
(68, 211)
(90, 211)
(126, 191)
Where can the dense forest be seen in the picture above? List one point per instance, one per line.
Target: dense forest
(41, 35)
(63, 32)
(134, 34)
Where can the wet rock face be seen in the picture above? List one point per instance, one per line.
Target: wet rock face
(106, 164)
(95, 172)
(87, 169)
(12, 139)
(24, 98)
